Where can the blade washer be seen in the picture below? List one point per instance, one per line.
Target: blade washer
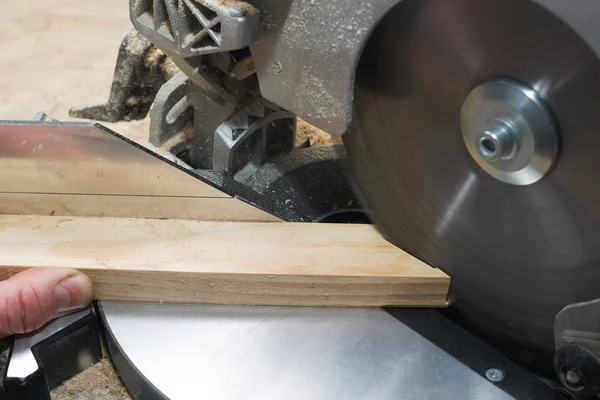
(509, 132)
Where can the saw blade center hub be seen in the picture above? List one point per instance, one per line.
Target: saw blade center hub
(496, 142)
(509, 131)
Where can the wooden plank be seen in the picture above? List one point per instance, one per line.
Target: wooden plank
(158, 207)
(224, 262)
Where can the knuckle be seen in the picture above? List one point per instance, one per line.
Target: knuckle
(21, 311)
(31, 316)
(18, 321)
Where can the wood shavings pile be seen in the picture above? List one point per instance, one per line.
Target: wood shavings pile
(315, 136)
(97, 382)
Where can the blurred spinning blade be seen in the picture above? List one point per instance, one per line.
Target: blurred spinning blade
(516, 254)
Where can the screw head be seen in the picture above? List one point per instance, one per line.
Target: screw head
(494, 375)
(276, 67)
(573, 377)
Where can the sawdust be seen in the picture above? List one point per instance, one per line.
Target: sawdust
(136, 46)
(169, 69)
(98, 382)
(237, 4)
(188, 132)
(315, 136)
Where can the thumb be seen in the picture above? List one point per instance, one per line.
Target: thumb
(33, 297)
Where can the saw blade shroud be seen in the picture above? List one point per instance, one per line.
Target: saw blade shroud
(517, 254)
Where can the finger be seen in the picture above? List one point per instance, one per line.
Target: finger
(33, 297)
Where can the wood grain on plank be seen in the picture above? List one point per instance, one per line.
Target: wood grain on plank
(224, 262)
(158, 207)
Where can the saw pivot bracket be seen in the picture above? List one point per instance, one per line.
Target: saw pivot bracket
(577, 340)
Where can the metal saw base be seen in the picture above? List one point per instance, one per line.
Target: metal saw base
(177, 351)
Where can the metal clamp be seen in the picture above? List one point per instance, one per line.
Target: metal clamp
(33, 366)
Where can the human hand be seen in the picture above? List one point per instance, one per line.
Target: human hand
(33, 297)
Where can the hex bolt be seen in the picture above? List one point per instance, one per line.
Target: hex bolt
(495, 375)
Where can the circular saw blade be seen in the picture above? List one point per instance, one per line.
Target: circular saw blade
(516, 254)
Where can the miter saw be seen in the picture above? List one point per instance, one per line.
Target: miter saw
(469, 132)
